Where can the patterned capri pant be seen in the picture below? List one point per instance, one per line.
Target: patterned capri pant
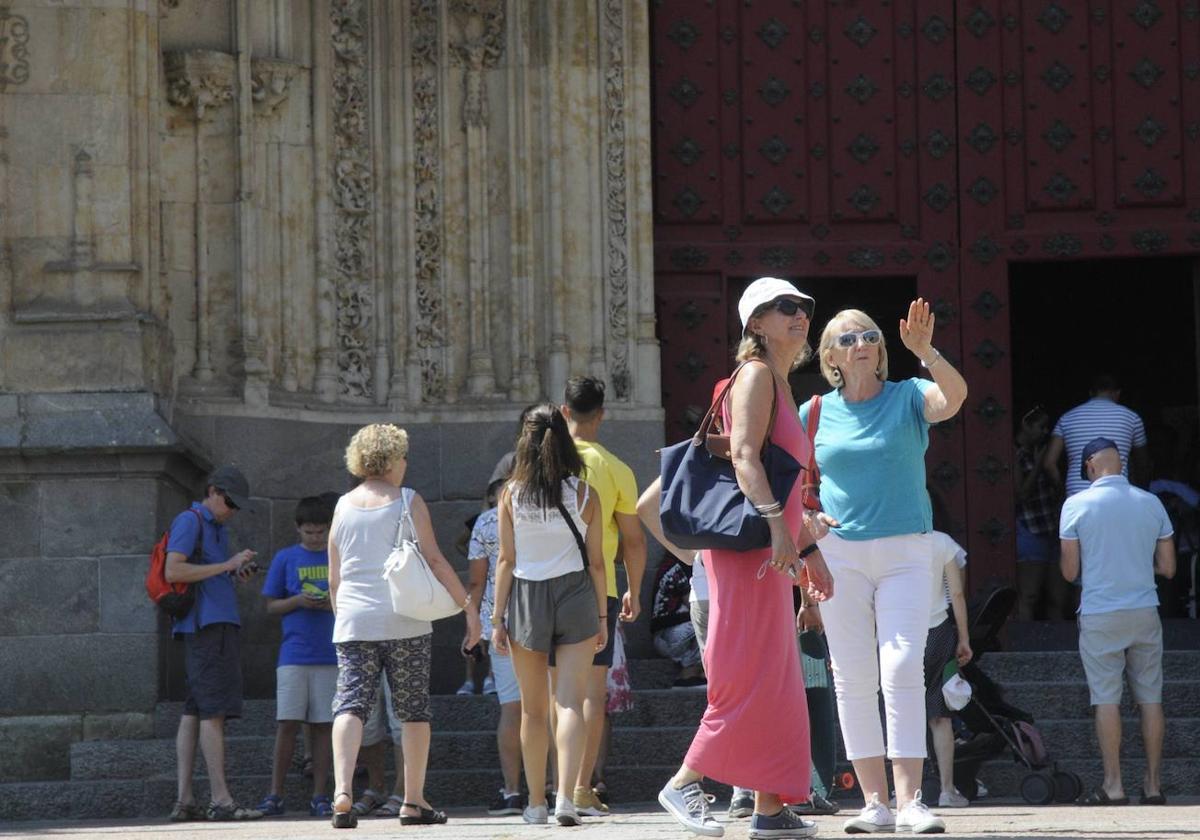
(406, 663)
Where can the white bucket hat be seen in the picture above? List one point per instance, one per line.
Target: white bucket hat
(766, 289)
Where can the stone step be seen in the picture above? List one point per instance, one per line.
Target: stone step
(654, 707)
(1065, 666)
(152, 797)
(1181, 698)
(451, 750)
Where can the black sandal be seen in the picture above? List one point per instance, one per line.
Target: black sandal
(428, 816)
(1099, 798)
(347, 818)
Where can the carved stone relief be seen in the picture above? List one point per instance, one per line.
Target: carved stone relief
(14, 49)
(615, 195)
(353, 198)
(430, 324)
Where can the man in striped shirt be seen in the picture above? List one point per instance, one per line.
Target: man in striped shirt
(1100, 416)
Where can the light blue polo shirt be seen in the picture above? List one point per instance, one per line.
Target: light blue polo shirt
(872, 460)
(216, 598)
(1117, 526)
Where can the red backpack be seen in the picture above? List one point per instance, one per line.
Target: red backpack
(175, 599)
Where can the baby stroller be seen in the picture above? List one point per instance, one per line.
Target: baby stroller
(988, 726)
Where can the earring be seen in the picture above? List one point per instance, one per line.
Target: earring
(836, 375)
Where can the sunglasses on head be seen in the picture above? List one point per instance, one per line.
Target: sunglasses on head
(850, 339)
(790, 307)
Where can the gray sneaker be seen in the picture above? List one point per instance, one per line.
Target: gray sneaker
(785, 824)
(741, 804)
(689, 806)
(536, 814)
(565, 812)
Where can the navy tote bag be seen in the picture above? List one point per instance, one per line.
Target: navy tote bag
(701, 506)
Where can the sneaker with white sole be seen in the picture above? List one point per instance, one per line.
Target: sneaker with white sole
(741, 804)
(536, 814)
(564, 811)
(874, 817)
(785, 824)
(918, 819)
(689, 806)
(588, 804)
(951, 798)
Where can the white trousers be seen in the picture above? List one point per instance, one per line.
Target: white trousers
(875, 624)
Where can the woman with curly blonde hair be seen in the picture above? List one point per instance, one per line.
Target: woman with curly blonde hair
(370, 637)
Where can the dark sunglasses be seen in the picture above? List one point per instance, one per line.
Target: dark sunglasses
(790, 307)
(850, 339)
(229, 502)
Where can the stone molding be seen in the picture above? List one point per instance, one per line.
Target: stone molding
(199, 81)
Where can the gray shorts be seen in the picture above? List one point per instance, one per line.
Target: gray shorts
(543, 614)
(1123, 641)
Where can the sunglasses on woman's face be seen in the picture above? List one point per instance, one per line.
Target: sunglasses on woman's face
(789, 307)
(849, 339)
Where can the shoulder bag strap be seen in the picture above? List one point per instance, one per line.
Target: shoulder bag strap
(713, 412)
(406, 515)
(198, 551)
(813, 479)
(562, 509)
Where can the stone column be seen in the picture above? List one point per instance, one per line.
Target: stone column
(478, 46)
(325, 383)
(199, 82)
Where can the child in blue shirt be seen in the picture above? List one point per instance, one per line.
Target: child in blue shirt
(297, 588)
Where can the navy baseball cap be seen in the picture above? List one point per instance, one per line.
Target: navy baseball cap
(1094, 445)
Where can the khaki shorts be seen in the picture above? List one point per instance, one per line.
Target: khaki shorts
(305, 692)
(543, 614)
(1125, 642)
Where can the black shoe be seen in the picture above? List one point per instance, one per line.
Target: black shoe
(816, 804)
(507, 805)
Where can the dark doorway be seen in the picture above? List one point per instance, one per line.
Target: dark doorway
(1133, 318)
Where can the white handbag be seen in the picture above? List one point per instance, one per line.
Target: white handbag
(416, 593)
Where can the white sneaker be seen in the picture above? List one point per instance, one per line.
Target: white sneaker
(918, 819)
(536, 814)
(564, 811)
(874, 817)
(952, 799)
(981, 791)
(689, 806)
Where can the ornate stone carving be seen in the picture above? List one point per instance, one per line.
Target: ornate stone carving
(353, 198)
(616, 198)
(14, 50)
(199, 80)
(270, 79)
(478, 48)
(430, 320)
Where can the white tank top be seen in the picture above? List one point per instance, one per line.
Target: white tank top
(546, 548)
(364, 539)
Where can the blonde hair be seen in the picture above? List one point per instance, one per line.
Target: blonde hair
(374, 449)
(833, 329)
(754, 346)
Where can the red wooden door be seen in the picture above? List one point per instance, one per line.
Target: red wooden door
(931, 142)
(1078, 129)
(804, 140)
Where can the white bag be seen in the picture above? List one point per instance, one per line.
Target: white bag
(416, 593)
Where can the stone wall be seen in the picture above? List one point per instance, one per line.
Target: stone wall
(233, 231)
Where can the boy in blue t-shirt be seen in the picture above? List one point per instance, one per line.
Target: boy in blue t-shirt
(297, 588)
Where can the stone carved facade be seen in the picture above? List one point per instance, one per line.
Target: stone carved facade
(234, 230)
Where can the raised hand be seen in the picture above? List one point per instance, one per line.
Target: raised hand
(916, 331)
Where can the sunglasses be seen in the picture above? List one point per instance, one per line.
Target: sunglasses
(790, 307)
(229, 502)
(850, 339)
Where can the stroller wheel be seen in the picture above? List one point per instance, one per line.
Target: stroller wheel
(1037, 789)
(1067, 786)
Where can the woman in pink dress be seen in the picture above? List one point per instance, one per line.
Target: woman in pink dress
(754, 733)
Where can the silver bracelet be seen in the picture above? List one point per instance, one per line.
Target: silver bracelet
(937, 357)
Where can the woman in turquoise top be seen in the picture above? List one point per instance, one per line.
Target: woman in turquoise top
(874, 533)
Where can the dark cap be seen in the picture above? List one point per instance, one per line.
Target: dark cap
(503, 468)
(232, 483)
(1094, 445)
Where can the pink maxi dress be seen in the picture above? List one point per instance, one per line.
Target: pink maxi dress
(754, 733)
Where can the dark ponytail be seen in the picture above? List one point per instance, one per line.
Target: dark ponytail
(545, 457)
